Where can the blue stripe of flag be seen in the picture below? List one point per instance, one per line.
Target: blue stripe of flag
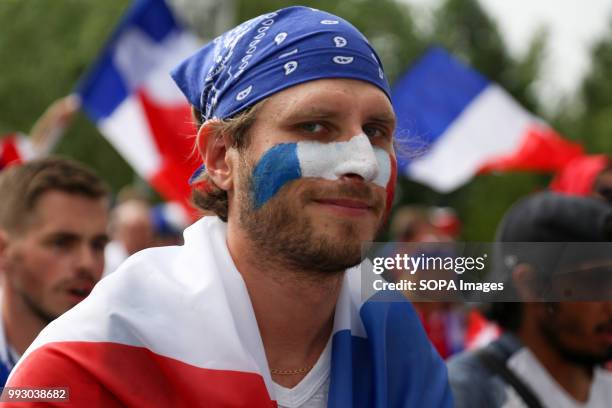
(430, 97)
(395, 366)
(103, 88)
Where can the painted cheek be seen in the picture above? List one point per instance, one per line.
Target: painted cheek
(385, 167)
(387, 175)
(289, 161)
(331, 161)
(390, 187)
(278, 166)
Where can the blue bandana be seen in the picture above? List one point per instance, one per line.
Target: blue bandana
(273, 52)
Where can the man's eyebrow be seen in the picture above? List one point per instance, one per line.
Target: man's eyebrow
(71, 236)
(63, 235)
(101, 237)
(323, 113)
(312, 113)
(383, 118)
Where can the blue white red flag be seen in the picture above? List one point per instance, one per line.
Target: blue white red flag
(453, 123)
(175, 327)
(130, 96)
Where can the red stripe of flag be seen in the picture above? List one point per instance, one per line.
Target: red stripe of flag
(106, 375)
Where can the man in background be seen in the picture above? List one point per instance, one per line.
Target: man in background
(550, 353)
(53, 218)
(131, 229)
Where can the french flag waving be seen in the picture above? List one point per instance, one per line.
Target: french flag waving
(130, 96)
(453, 123)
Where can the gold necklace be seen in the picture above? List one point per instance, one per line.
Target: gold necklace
(279, 371)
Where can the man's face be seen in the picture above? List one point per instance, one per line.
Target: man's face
(317, 178)
(580, 331)
(134, 228)
(54, 262)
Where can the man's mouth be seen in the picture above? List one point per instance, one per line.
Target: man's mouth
(346, 206)
(79, 292)
(344, 202)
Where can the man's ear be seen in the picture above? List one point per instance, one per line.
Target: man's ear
(3, 247)
(3, 241)
(524, 278)
(214, 151)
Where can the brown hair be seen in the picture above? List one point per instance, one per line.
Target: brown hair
(205, 195)
(22, 185)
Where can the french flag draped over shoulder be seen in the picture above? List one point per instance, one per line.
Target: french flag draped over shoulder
(174, 326)
(453, 123)
(130, 96)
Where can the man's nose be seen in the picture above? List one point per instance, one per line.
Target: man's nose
(86, 258)
(356, 158)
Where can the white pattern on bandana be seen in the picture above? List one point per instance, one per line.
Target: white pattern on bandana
(340, 42)
(244, 93)
(280, 37)
(290, 67)
(339, 59)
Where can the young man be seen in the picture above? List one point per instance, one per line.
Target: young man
(53, 215)
(259, 308)
(552, 349)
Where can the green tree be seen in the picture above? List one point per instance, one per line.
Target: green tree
(45, 46)
(593, 123)
(469, 32)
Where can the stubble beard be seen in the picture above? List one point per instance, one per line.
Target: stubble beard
(37, 309)
(282, 234)
(551, 328)
(35, 305)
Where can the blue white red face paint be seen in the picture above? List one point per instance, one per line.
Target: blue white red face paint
(285, 162)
